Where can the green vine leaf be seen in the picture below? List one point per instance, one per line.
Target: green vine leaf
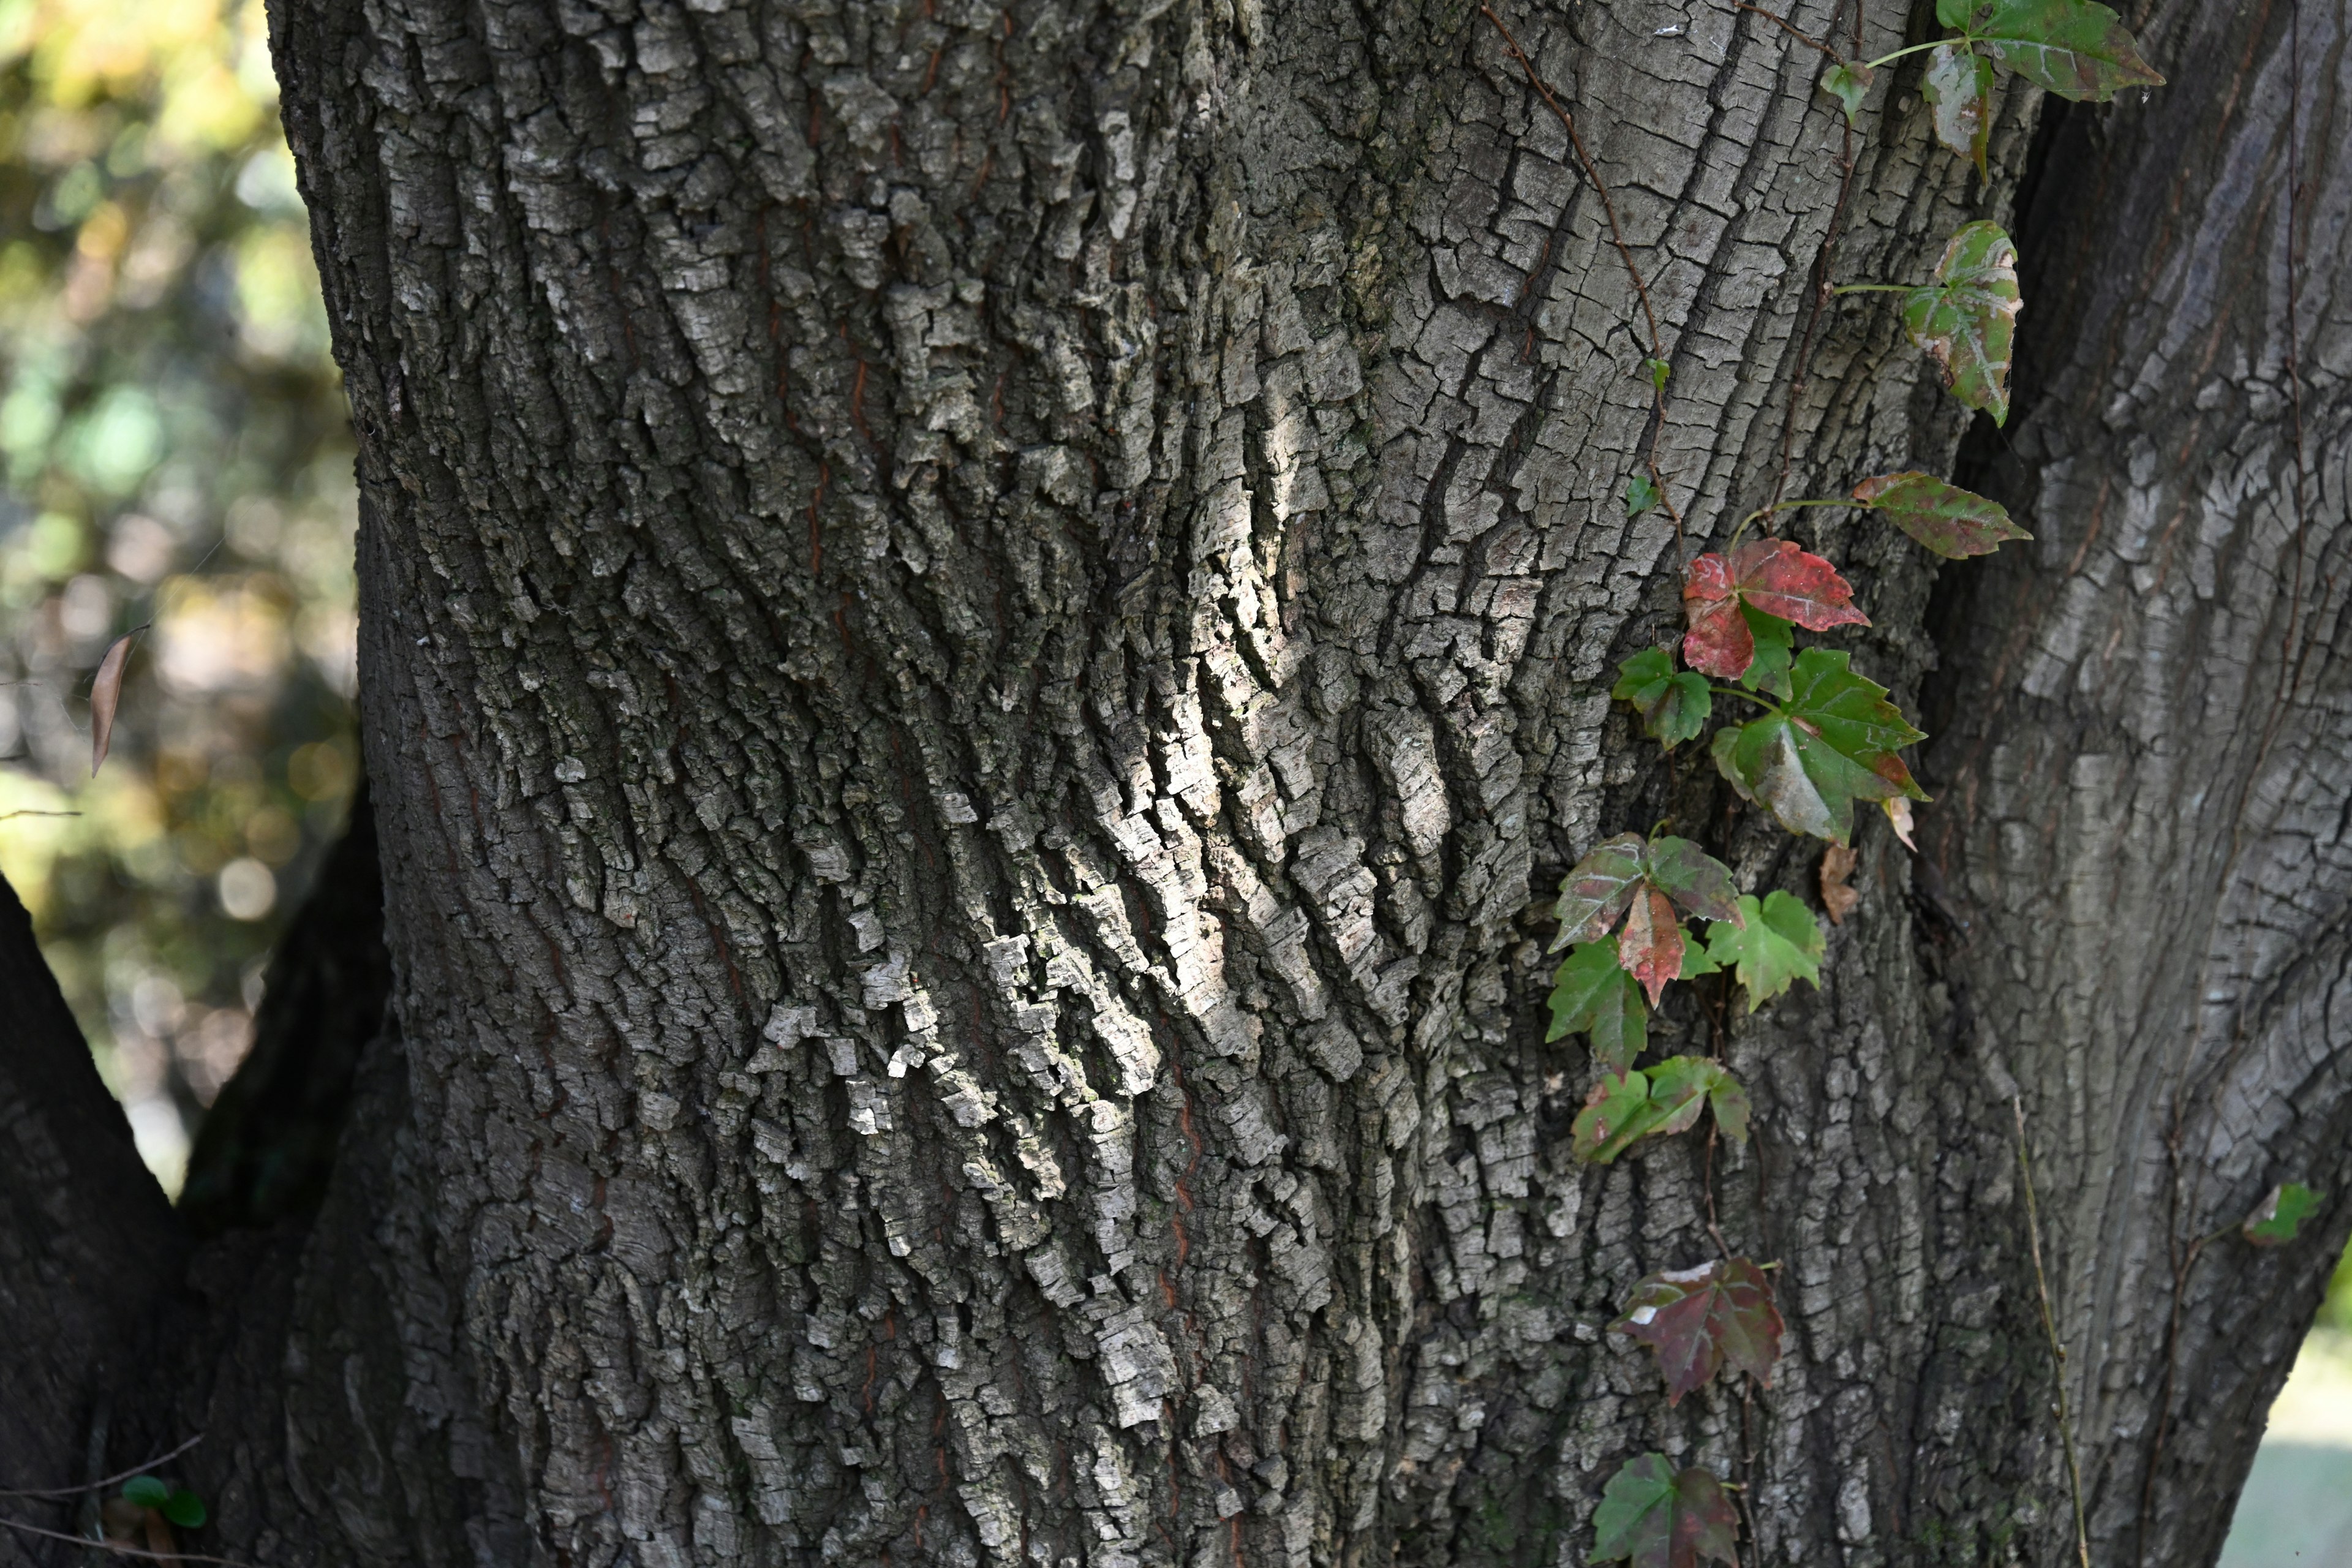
(2074, 47)
(1674, 707)
(1967, 320)
(1625, 1108)
(1701, 1319)
(2277, 1218)
(186, 1509)
(1658, 370)
(1771, 574)
(1640, 496)
(1592, 994)
(1849, 84)
(1780, 944)
(1776, 645)
(1655, 1518)
(1953, 523)
(1832, 743)
(1958, 83)
(1643, 883)
(146, 1491)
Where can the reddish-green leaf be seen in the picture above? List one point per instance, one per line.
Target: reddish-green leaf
(1592, 992)
(1833, 744)
(1597, 889)
(2074, 47)
(1960, 85)
(1774, 576)
(2279, 1216)
(1650, 948)
(1655, 1518)
(1701, 1319)
(1967, 319)
(1674, 706)
(1694, 878)
(1625, 1108)
(1951, 522)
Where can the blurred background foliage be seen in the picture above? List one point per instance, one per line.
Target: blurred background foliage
(176, 455)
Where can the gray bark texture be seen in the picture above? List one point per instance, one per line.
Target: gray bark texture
(984, 632)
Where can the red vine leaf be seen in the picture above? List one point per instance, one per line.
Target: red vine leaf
(1655, 1518)
(1650, 948)
(1967, 319)
(1953, 523)
(105, 696)
(1597, 889)
(1960, 85)
(1775, 577)
(1701, 1319)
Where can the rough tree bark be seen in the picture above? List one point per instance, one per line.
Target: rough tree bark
(984, 630)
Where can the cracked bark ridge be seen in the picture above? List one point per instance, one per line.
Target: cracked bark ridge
(978, 629)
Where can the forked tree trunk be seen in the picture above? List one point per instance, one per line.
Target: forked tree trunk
(985, 631)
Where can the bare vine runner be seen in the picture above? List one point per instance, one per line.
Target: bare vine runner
(1813, 740)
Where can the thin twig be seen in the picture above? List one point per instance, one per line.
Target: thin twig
(1822, 265)
(5, 815)
(2050, 1327)
(121, 1550)
(1789, 27)
(137, 1470)
(1624, 251)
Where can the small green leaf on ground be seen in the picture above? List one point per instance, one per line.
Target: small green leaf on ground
(1967, 320)
(2279, 1216)
(1641, 495)
(1958, 83)
(1652, 1517)
(1593, 994)
(1951, 522)
(1675, 705)
(1849, 84)
(2074, 47)
(1780, 944)
(185, 1510)
(1833, 744)
(146, 1491)
(1701, 1319)
(1774, 576)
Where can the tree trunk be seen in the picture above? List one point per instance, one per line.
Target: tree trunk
(983, 635)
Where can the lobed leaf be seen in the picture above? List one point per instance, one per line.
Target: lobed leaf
(2277, 1218)
(1652, 1517)
(1958, 84)
(1780, 944)
(1832, 743)
(1849, 84)
(2076, 48)
(1597, 889)
(1650, 948)
(1775, 647)
(1953, 523)
(1591, 993)
(1625, 1108)
(1699, 1320)
(1967, 320)
(1694, 878)
(1774, 576)
(1674, 707)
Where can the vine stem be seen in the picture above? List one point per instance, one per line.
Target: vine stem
(1764, 511)
(1875, 289)
(2050, 1327)
(137, 1471)
(1790, 28)
(120, 1550)
(1911, 49)
(1624, 251)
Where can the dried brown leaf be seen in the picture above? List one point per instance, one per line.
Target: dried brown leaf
(105, 695)
(1837, 896)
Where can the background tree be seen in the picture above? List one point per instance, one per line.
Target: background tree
(982, 634)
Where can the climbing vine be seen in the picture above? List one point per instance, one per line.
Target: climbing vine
(1804, 736)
